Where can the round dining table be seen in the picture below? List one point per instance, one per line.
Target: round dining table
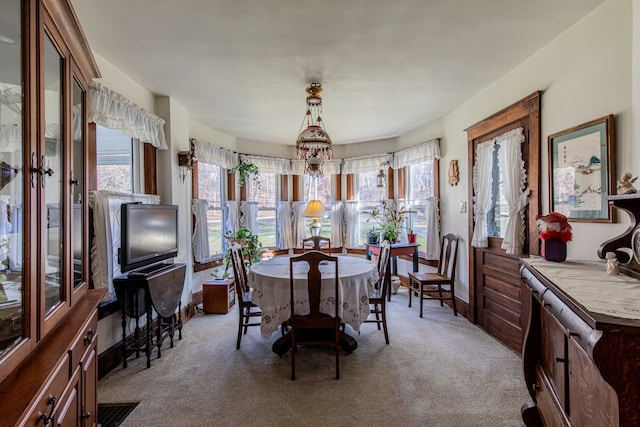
(269, 280)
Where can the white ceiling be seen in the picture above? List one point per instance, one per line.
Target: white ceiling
(386, 67)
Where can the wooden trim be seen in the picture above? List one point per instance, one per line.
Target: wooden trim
(351, 194)
(436, 177)
(338, 187)
(284, 188)
(231, 186)
(150, 169)
(402, 187)
(298, 182)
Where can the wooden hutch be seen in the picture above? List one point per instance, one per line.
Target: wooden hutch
(48, 317)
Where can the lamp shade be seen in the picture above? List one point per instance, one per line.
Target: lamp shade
(314, 209)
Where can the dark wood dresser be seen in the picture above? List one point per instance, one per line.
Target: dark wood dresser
(581, 354)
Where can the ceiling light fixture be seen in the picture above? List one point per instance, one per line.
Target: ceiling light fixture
(313, 144)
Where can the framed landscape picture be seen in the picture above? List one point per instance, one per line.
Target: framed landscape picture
(581, 171)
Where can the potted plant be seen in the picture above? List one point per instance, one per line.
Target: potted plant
(244, 171)
(411, 236)
(373, 236)
(248, 241)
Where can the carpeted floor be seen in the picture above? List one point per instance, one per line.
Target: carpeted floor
(437, 371)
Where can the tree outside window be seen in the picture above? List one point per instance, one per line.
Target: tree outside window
(210, 188)
(267, 197)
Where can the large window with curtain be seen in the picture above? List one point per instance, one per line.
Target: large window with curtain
(267, 196)
(369, 196)
(211, 180)
(319, 188)
(420, 187)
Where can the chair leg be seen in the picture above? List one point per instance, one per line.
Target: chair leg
(410, 290)
(377, 311)
(239, 328)
(421, 298)
(440, 294)
(384, 323)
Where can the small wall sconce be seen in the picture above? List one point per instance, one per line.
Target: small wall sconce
(381, 178)
(186, 160)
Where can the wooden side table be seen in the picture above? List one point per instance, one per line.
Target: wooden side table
(218, 296)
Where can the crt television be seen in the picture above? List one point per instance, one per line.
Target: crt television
(149, 235)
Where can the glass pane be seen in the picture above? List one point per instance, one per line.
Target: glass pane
(53, 158)
(11, 191)
(115, 160)
(498, 215)
(421, 184)
(210, 189)
(266, 196)
(368, 190)
(319, 188)
(77, 188)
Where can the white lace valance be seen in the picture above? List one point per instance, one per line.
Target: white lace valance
(210, 154)
(268, 164)
(329, 167)
(417, 154)
(112, 110)
(365, 163)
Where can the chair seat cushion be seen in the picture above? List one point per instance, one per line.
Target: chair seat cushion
(429, 277)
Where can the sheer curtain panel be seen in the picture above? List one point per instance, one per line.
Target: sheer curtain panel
(200, 237)
(482, 183)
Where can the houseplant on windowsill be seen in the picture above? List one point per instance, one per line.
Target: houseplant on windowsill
(412, 237)
(248, 241)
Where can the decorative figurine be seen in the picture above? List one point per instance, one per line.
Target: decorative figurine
(612, 264)
(454, 175)
(625, 184)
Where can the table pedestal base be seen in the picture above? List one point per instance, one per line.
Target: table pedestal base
(283, 344)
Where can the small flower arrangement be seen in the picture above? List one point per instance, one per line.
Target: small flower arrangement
(554, 226)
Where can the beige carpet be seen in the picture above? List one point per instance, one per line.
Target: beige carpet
(437, 371)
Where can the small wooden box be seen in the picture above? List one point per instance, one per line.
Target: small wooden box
(218, 296)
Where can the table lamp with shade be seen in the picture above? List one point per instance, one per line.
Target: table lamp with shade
(315, 211)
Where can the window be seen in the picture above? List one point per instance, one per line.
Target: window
(119, 159)
(267, 197)
(420, 186)
(211, 181)
(319, 188)
(369, 197)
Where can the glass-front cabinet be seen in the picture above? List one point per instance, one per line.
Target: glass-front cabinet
(48, 317)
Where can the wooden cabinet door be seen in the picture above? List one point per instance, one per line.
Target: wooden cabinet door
(553, 354)
(89, 413)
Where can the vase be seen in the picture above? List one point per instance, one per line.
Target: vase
(554, 250)
(412, 238)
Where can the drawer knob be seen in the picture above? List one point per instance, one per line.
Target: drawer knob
(88, 339)
(535, 386)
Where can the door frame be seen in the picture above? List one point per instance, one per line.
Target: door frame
(528, 110)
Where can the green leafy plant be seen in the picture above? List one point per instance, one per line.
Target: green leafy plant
(248, 241)
(390, 219)
(246, 171)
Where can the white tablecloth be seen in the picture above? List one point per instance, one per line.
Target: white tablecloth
(270, 282)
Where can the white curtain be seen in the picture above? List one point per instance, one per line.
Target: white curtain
(112, 110)
(268, 164)
(365, 163)
(106, 222)
(285, 225)
(233, 216)
(516, 195)
(210, 154)
(200, 237)
(352, 223)
(249, 218)
(337, 223)
(482, 183)
(433, 228)
(417, 154)
(299, 231)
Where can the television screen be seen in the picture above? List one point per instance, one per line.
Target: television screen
(149, 235)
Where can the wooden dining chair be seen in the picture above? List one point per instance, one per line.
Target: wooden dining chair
(243, 293)
(378, 299)
(430, 285)
(314, 328)
(317, 243)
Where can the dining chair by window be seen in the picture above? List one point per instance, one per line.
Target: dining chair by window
(243, 293)
(378, 300)
(315, 328)
(430, 285)
(317, 243)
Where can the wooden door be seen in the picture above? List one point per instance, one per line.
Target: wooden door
(495, 287)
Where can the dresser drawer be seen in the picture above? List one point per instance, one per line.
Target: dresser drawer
(82, 342)
(48, 400)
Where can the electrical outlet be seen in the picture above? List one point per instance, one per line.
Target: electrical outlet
(463, 207)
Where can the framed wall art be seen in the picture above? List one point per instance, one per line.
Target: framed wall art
(581, 171)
